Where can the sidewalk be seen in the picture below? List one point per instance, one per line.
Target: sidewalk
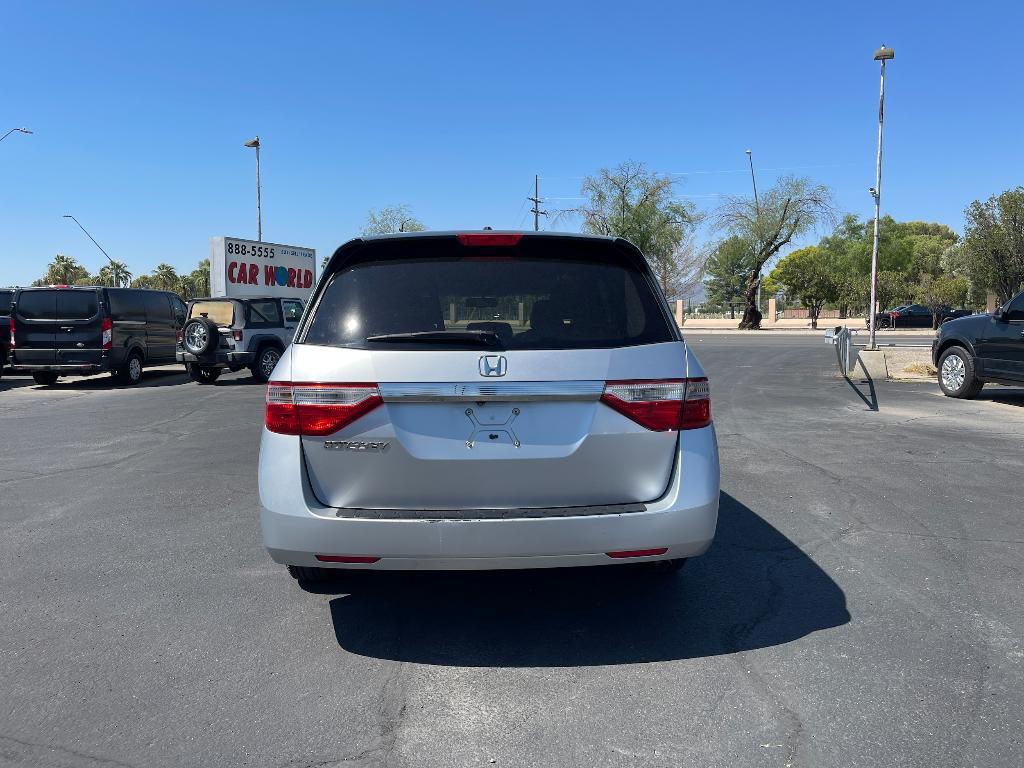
(855, 324)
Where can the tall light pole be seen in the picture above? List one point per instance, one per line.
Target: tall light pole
(255, 144)
(114, 264)
(882, 55)
(757, 214)
(13, 130)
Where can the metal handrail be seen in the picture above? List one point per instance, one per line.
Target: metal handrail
(841, 338)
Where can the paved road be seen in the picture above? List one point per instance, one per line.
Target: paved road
(860, 607)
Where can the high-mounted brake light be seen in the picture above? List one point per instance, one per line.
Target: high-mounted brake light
(108, 333)
(317, 409)
(489, 238)
(10, 327)
(661, 405)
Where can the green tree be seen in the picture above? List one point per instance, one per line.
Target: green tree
(197, 282)
(994, 243)
(936, 293)
(63, 270)
(726, 272)
(144, 281)
(633, 203)
(393, 218)
(809, 275)
(791, 208)
(114, 275)
(165, 277)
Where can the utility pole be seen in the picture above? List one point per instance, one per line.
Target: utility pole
(757, 214)
(537, 212)
(882, 55)
(255, 144)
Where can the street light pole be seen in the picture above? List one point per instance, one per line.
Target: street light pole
(255, 144)
(757, 214)
(13, 130)
(114, 264)
(882, 55)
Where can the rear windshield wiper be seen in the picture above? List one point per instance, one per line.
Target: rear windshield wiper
(489, 338)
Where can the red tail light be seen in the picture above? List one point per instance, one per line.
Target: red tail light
(236, 334)
(108, 333)
(489, 238)
(317, 409)
(10, 326)
(179, 336)
(663, 404)
(347, 559)
(638, 553)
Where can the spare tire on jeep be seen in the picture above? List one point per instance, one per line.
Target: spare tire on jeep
(200, 336)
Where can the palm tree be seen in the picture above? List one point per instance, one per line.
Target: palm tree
(64, 270)
(202, 276)
(165, 277)
(115, 275)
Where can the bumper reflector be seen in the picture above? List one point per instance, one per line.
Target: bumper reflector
(638, 552)
(346, 559)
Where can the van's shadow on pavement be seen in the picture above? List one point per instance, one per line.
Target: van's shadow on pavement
(1003, 395)
(754, 589)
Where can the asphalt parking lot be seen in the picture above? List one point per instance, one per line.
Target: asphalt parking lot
(861, 605)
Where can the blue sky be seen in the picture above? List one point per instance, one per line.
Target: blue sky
(140, 111)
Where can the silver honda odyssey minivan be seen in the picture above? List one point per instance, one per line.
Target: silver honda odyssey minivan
(487, 400)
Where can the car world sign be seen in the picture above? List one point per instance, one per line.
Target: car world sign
(240, 268)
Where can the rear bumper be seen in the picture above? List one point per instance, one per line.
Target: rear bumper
(296, 526)
(67, 368)
(221, 358)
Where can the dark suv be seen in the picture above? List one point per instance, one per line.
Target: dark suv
(6, 297)
(971, 351)
(63, 330)
(236, 333)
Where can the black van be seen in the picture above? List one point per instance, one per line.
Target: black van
(61, 330)
(6, 297)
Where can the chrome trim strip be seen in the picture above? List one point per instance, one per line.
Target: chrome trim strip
(350, 513)
(517, 391)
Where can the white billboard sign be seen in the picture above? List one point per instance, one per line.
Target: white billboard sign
(241, 268)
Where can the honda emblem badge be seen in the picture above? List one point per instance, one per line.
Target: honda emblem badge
(493, 365)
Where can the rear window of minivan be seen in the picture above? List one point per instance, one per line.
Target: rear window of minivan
(66, 304)
(545, 293)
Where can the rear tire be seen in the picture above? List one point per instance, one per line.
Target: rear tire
(263, 366)
(956, 374)
(46, 378)
(200, 336)
(201, 374)
(131, 372)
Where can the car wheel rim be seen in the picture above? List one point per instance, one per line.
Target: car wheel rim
(270, 358)
(195, 337)
(135, 369)
(954, 372)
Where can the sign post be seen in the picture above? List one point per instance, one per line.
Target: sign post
(248, 268)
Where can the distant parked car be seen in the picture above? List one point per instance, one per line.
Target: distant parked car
(70, 330)
(235, 334)
(970, 351)
(6, 297)
(916, 316)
